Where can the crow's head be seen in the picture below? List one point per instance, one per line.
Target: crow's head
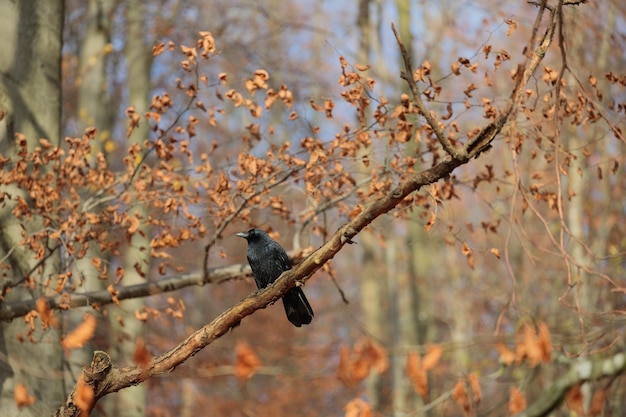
(253, 235)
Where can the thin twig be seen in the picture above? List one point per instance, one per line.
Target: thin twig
(407, 75)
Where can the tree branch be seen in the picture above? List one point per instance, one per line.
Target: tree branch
(581, 371)
(417, 98)
(11, 310)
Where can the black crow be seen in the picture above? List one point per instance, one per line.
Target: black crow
(268, 260)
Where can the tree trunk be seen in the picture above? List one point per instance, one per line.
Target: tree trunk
(30, 104)
(123, 338)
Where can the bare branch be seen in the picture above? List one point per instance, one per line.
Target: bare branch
(581, 371)
(407, 75)
(11, 310)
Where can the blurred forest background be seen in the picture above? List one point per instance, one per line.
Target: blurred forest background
(193, 120)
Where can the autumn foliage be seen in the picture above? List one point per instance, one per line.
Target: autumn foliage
(457, 182)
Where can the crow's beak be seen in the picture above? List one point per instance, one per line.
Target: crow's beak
(242, 234)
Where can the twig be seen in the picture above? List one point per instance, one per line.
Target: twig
(407, 75)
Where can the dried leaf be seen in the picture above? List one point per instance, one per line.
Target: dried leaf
(81, 334)
(461, 397)
(141, 355)
(432, 356)
(431, 221)
(246, 361)
(598, 401)
(512, 26)
(456, 68)
(46, 314)
(22, 396)
(475, 387)
(465, 250)
(417, 374)
(545, 342)
(495, 252)
(358, 408)
(517, 401)
(507, 356)
(84, 397)
(158, 49)
(574, 400)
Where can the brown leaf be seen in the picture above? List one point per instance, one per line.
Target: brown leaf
(328, 107)
(343, 371)
(517, 401)
(81, 334)
(246, 361)
(465, 250)
(469, 89)
(475, 387)
(432, 356)
(431, 221)
(456, 68)
(158, 49)
(417, 374)
(460, 396)
(358, 408)
(83, 397)
(574, 400)
(597, 402)
(46, 314)
(141, 356)
(512, 26)
(507, 356)
(528, 347)
(22, 396)
(545, 342)
(495, 252)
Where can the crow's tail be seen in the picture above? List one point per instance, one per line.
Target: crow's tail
(297, 307)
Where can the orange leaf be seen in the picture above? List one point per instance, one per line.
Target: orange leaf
(545, 342)
(246, 361)
(158, 49)
(47, 316)
(597, 402)
(456, 68)
(328, 107)
(357, 365)
(432, 356)
(507, 356)
(512, 26)
(465, 250)
(22, 396)
(358, 408)
(417, 374)
(517, 401)
(574, 400)
(475, 386)
(375, 355)
(431, 221)
(343, 372)
(528, 347)
(460, 396)
(141, 356)
(83, 397)
(81, 334)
